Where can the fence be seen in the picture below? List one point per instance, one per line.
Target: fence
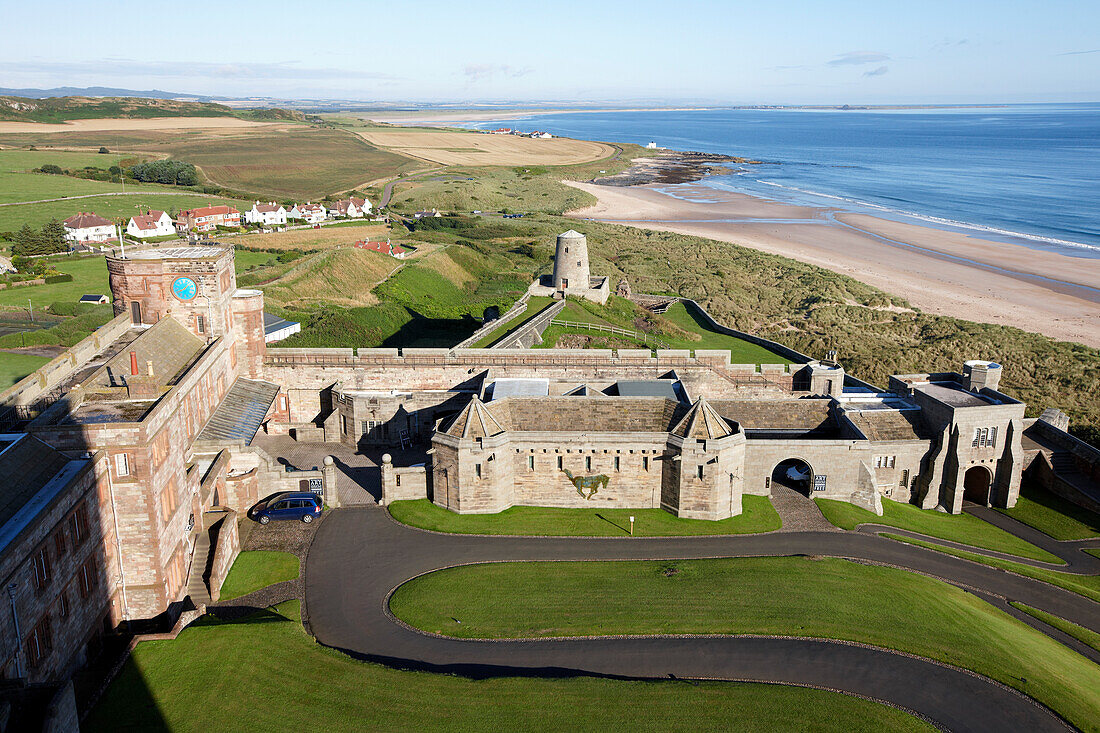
(636, 335)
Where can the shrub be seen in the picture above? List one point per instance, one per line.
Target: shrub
(63, 277)
(104, 151)
(51, 169)
(172, 172)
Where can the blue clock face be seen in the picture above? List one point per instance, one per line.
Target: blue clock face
(184, 288)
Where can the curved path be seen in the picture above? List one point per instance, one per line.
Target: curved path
(362, 555)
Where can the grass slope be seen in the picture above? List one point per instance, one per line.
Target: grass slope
(1083, 635)
(963, 528)
(341, 277)
(1053, 515)
(758, 515)
(535, 305)
(787, 596)
(59, 109)
(257, 569)
(15, 366)
(1085, 585)
(222, 676)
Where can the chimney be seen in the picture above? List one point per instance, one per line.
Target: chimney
(133, 363)
(149, 367)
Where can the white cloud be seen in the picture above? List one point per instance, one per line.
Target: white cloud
(853, 58)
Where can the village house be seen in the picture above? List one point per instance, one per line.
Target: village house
(310, 213)
(353, 208)
(386, 248)
(150, 224)
(208, 218)
(433, 214)
(269, 214)
(541, 135)
(88, 227)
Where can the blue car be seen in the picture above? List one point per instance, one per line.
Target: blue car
(303, 505)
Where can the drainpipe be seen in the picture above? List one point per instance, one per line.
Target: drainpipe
(118, 544)
(18, 634)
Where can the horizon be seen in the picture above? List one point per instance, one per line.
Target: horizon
(796, 54)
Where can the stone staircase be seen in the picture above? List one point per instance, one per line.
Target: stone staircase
(196, 581)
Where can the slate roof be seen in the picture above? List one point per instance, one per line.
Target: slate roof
(580, 414)
(167, 343)
(31, 466)
(793, 415)
(240, 413)
(889, 424)
(273, 323)
(702, 423)
(645, 388)
(474, 421)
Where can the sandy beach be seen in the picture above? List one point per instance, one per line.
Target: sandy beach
(940, 272)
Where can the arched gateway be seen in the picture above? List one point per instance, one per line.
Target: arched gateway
(794, 473)
(976, 484)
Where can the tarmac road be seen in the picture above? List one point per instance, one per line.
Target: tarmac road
(360, 555)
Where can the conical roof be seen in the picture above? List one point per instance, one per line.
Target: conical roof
(474, 421)
(702, 422)
(571, 234)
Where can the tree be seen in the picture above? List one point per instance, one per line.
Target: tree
(26, 242)
(52, 169)
(104, 151)
(53, 236)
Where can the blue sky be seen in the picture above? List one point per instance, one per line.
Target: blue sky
(763, 52)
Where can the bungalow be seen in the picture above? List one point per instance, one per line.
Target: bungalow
(433, 214)
(87, 227)
(277, 329)
(269, 214)
(150, 224)
(393, 250)
(208, 218)
(310, 213)
(352, 208)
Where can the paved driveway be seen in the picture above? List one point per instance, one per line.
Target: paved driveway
(360, 555)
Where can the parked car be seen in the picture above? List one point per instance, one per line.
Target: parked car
(303, 505)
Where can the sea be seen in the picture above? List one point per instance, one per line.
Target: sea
(1026, 174)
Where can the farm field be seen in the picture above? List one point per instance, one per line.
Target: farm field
(449, 147)
(17, 183)
(307, 239)
(112, 206)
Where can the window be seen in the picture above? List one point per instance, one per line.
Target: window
(560, 464)
(41, 568)
(87, 578)
(904, 479)
(39, 642)
(122, 465)
(588, 463)
(977, 438)
(992, 442)
(59, 545)
(201, 324)
(63, 607)
(616, 463)
(530, 463)
(699, 472)
(168, 501)
(477, 470)
(645, 463)
(984, 439)
(892, 459)
(878, 461)
(78, 524)
(344, 424)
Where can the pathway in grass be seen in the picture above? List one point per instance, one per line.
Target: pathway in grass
(184, 684)
(257, 569)
(784, 595)
(1085, 585)
(758, 515)
(962, 528)
(1053, 515)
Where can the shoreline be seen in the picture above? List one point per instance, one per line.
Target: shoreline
(424, 118)
(940, 272)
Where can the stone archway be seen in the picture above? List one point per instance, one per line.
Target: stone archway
(795, 474)
(977, 482)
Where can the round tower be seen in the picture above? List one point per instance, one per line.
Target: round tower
(571, 263)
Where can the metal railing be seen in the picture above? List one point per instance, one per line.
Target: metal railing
(642, 336)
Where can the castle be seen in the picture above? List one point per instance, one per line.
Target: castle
(136, 449)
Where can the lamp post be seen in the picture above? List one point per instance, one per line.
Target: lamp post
(632, 526)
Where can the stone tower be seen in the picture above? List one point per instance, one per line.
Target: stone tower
(571, 274)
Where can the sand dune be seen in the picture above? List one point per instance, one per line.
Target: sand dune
(940, 272)
(471, 148)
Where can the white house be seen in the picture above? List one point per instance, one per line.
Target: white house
(150, 224)
(541, 135)
(268, 214)
(311, 213)
(352, 208)
(87, 227)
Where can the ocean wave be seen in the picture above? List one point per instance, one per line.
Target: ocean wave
(941, 221)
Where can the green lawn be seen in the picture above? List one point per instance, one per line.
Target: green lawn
(1052, 514)
(225, 676)
(113, 207)
(962, 528)
(89, 276)
(1085, 585)
(1083, 635)
(535, 305)
(257, 569)
(776, 595)
(246, 259)
(758, 515)
(14, 367)
(741, 351)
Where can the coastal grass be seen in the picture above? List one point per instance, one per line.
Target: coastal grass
(183, 684)
(14, 366)
(793, 596)
(964, 528)
(1053, 515)
(1083, 635)
(332, 277)
(245, 260)
(89, 276)
(255, 569)
(535, 305)
(757, 515)
(1084, 585)
(343, 234)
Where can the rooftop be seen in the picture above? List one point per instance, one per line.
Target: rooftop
(952, 394)
(240, 413)
(175, 253)
(42, 472)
